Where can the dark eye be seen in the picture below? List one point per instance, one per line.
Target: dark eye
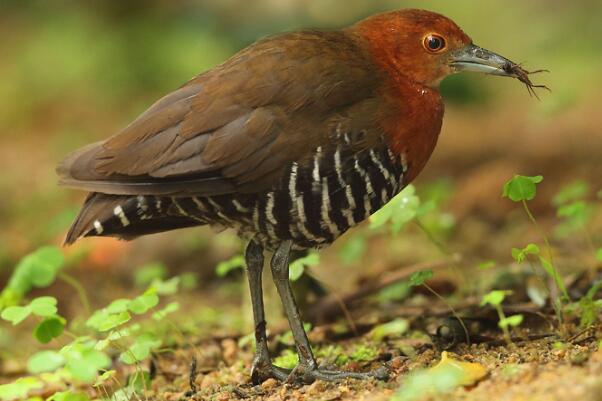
(434, 43)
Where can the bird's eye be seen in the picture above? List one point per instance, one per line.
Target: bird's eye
(434, 43)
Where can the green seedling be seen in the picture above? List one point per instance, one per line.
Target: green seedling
(522, 189)
(495, 299)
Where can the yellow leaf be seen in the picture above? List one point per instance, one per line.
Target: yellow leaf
(468, 373)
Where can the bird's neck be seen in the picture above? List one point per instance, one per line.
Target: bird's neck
(413, 118)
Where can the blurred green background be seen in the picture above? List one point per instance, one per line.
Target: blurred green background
(72, 72)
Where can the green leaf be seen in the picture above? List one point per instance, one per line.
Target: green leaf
(394, 328)
(139, 381)
(167, 287)
(494, 298)
(511, 321)
(38, 269)
(118, 305)
(143, 303)
(420, 277)
(520, 255)
(402, 209)
(69, 396)
(599, 255)
(140, 350)
(225, 267)
(297, 267)
(521, 187)
(44, 306)
(49, 328)
(169, 308)
(83, 362)
(19, 389)
(45, 361)
(104, 321)
(16, 314)
(571, 192)
(147, 274)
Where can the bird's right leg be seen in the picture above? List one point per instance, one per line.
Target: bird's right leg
(262, 364)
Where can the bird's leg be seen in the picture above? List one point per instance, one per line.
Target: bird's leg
(307, 370)
(262, 364)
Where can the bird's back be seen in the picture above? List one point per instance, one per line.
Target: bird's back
(281, 141)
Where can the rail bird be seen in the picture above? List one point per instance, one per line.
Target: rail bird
(291, 142)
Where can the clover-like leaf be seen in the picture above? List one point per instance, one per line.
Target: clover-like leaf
(104, 321)
(169, 308)
(69, 396)
(521, 187)
(494, 298)
(20, 388)
(143, 303)
(140, 350)
(44, 306)
(403, 208)
(570, 193)
(49, 328)
(83, 361)
(45, 361)
(16, 314)
(520, 255)
(420, 277)
(511, 321)
(118, 305)
(164, 287)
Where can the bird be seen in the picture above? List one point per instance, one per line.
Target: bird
(291, 142)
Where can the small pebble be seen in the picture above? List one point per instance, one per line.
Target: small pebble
(269, 384)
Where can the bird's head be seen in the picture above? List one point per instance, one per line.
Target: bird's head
(426, 47)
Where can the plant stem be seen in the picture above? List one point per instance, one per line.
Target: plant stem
(502, 317)
(453, 311)
(81, 292)
(539, 230)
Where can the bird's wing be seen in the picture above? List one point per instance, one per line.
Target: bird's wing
(235, 127)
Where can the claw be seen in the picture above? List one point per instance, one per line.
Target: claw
(260, 372)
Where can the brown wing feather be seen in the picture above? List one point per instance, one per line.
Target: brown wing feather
(235, 127)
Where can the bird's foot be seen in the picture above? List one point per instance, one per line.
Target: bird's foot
(306, 374)
(263, 370)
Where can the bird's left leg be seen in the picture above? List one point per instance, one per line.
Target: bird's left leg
(262, 364)
(307, 370)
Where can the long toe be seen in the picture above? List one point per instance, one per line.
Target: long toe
(304, 374)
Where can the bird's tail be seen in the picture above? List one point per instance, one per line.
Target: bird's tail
(125, 217)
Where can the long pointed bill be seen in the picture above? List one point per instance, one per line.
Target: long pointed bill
(476, 59)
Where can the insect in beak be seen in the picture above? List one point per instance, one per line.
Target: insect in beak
(473, 58)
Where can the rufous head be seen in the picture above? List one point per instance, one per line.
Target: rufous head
(425, 47)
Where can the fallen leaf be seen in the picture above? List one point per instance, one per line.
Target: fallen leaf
(468, 372)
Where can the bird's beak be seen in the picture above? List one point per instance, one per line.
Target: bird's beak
(476, 59)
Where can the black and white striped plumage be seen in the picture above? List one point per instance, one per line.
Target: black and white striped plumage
(313, 203)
